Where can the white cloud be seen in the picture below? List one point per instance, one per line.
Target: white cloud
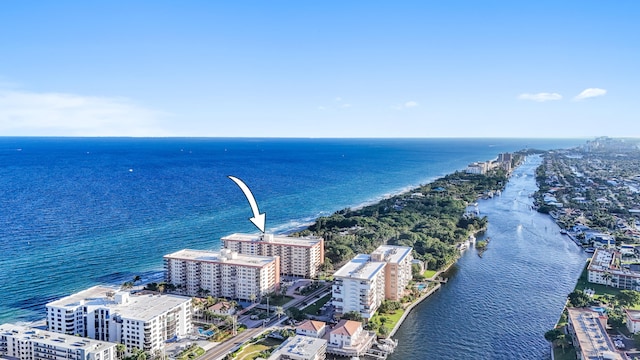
(321, 107)
(405, 105)
(590, 93)
(540, 97)
(344, 106)
(60, 114)
(338, 99)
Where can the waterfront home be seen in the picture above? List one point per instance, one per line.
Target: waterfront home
(301, 348)
(312, 328)
(588, 330)
(348, 338)
(633, 320)
(600, 240)
(25, 343)
(139, 321)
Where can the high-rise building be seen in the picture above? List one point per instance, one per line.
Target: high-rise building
(24, 343)
(140, 320)
(223, 274)
(398, 270)
(299, 256)
(359, 286)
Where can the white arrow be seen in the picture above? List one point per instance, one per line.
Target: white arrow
(258, 219)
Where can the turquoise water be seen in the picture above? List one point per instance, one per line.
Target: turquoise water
(81, 212)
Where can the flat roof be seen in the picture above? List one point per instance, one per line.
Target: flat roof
(590, 329)
(393, 253)
(275, 239)
(25, 333)
(299, 347)
(360, 267)
(216, 257)
(142, 307)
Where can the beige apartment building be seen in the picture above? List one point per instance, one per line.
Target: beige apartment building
(398, 270)
(222, 274)
(299, 256)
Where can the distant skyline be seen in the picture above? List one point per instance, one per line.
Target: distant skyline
(320, 69)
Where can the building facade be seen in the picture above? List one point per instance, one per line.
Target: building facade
(359, 286)
(143, 320)
(398, 270)
(299, 257)
(222, 274)
(24, 343)
(606, 268)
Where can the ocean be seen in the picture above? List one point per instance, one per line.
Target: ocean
(77, 212)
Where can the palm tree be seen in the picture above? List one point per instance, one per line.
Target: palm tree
(279, 311)
(253, 298)
(607, 276)
(120, 350)
(561, 341)
(136, 279)
(127, 285)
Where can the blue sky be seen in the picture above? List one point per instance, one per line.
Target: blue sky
(320, 69)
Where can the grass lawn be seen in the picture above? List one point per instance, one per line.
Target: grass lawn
(192, 354)
(252, 351)
(314, 307)
(278, 300)
(428, 274)
(568, 354)
(392, 319)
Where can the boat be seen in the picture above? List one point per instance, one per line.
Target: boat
(589, 250)
(563, 231)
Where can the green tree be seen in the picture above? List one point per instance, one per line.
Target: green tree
(628, 298)
(579, 299)
(352, 315)
(279, 311)
(120, 350)
(552, 335)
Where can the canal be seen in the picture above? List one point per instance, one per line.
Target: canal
(499, 306)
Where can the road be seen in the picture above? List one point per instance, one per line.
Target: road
(224, 348)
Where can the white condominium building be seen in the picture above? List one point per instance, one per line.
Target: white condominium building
(140, 320)
(24, 343)
(398, 270)
(606, 268)
(223, 274)
(300, 257)
(359, 286)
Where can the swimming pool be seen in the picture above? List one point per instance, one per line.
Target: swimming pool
(204, 332)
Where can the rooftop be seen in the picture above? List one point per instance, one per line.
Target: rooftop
(299, 347)
(392, 253)
(227, 257)
(24, 333)
(346, 327)
(311, 325)
(590, 329)
(138, 307)
(275, 239)
(360, 267)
